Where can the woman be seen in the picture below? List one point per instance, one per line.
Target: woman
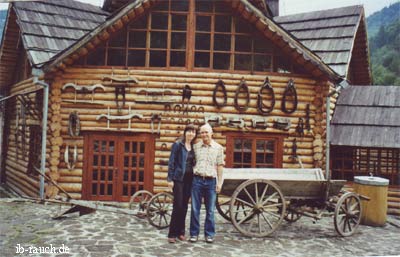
(180, 175)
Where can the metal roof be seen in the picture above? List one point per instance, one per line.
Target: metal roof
(367, 116)
(330, 34)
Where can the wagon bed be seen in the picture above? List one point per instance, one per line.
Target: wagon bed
(294, 183)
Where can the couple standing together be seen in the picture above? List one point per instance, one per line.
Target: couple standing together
(194, 170)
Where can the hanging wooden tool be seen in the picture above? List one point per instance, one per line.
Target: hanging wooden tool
(120, 97)
(235, 122)
(242, 91)
(300, 128)
(266, 93)
(259, 123)
(83, 89)
(289, 98)
(155, 95)
(213, 120)
(71, 160)
(282, 124)
(128, 117)
(155, 118)
(74, 124)
(220, 88)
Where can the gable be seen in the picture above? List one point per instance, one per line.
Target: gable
(337, 36)
(219, 40)
(289, 45)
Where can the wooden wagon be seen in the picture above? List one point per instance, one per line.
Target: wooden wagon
(256, 201)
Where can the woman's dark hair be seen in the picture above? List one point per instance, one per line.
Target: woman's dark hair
(190, 127)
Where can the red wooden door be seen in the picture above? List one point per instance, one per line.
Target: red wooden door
(116, 166)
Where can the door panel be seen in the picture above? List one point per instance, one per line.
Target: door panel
(117, 166)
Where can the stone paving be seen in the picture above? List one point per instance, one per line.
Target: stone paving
(27, 224)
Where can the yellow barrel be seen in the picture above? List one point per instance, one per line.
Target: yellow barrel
(373, 211)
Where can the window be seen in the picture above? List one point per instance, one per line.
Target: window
(348, 162)
(35, 149)
(217, 40)
(254, 151)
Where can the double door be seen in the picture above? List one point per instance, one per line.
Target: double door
(116, 166)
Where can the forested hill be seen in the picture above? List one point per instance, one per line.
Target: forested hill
(384, 45)
(384, 17)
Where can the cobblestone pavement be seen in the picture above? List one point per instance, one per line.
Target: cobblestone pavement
(26, 224)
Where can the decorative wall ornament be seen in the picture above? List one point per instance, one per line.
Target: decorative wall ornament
(266, 89)
(128, 117)
(155, 95)
(213, 120)
(242, 89)
(186, 94)
(259, 123)
(282, 124)
(120, 95)
(83, 89)
(155, 118)
(74, 124)
(300, 127)
(290, 95)
(220, 87)
(235, 122)
(71, 159)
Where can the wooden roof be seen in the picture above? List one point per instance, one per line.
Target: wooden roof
(335, 35)
(44, 28)
(367, 116)
(48, 27)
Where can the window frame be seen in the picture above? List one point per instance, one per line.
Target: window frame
(273, 52)
(278, 147)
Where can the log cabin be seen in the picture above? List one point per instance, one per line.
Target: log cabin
(94, 97)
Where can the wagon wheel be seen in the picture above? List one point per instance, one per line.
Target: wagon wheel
(263, 208)
(139, 201)
(292, 216)
(222, 204)
(159, 210)
(223, 207)
(347, 214)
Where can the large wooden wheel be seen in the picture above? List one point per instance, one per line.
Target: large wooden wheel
(222, 204)
(159, 210)
(347, 214)
(139, 201)
(292, 216)
(257, 208)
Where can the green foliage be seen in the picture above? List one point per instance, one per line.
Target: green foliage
(385, 55)
(385, 47)
(383, 17)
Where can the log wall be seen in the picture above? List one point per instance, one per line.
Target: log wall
(310, 147)
(16, 159)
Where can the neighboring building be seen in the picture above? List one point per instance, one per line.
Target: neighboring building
(125, 80)
(366, 133)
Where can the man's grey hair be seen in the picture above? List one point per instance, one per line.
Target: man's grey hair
(208, 127)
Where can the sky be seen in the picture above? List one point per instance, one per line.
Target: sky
(298, 6)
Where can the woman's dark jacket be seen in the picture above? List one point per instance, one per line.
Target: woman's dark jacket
(177, 161)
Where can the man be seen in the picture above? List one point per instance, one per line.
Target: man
(207, 182)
